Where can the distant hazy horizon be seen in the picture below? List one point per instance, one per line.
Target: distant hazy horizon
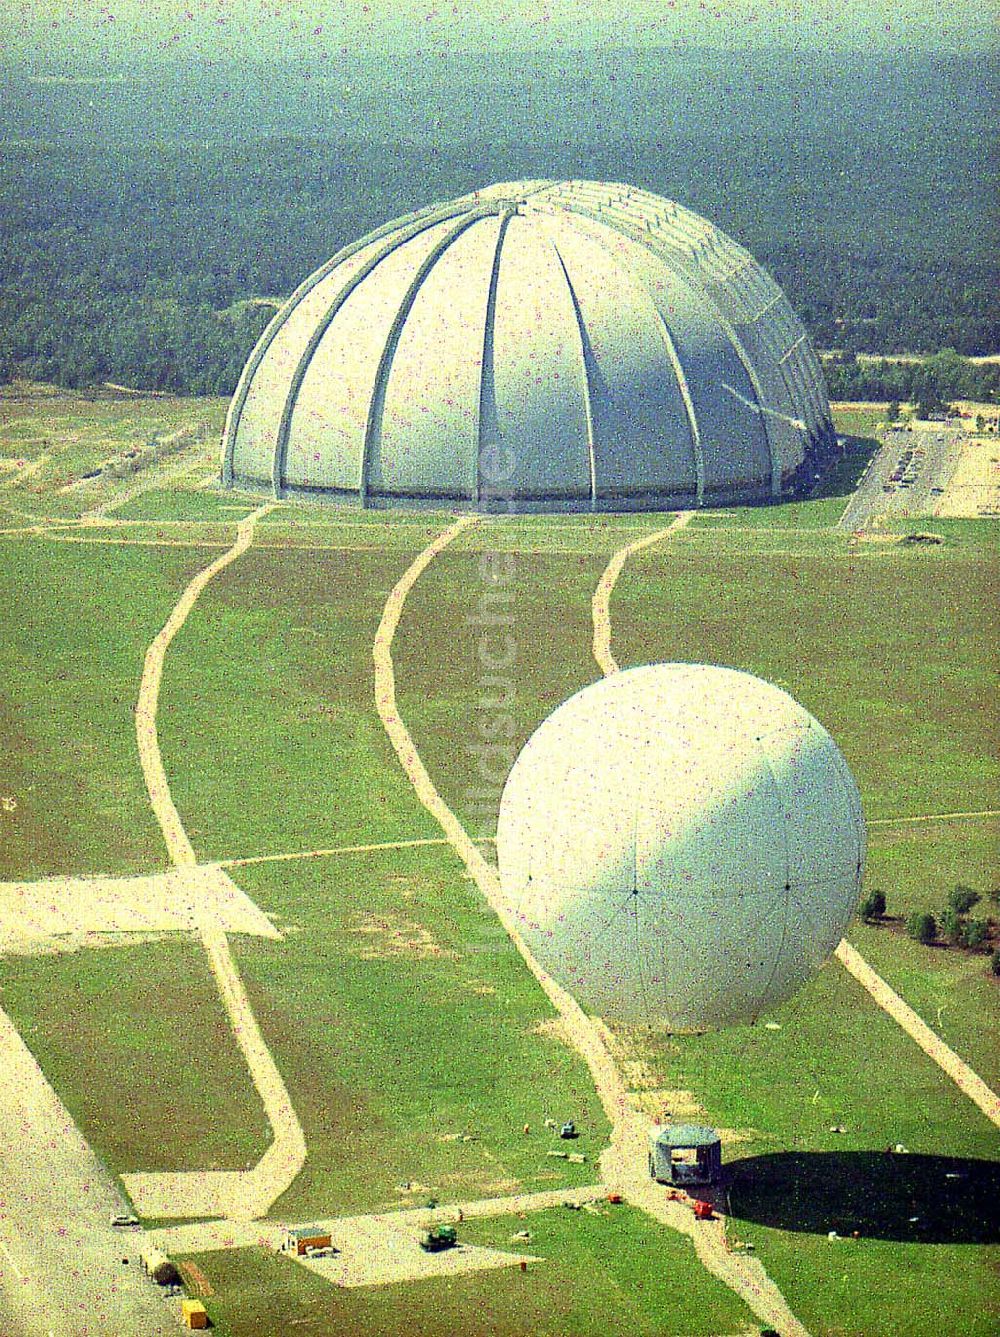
(61, 34)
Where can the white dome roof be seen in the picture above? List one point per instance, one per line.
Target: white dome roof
(533, 345)
(681, 846)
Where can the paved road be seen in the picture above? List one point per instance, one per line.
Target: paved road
(60, 1260)
(923, 459)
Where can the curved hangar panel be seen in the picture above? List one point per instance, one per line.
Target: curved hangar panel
(681, 846)
(534, 346)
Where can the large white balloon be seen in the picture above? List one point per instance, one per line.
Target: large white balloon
(681, 845)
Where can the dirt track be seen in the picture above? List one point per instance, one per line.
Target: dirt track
(624, 1164)
(241, 1194)
(600, 607)
(967, 1081)
(960, 1073)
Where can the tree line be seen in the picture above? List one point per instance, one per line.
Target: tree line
(930, 382)
(146, 264)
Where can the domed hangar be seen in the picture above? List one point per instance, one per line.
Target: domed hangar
(536, 345)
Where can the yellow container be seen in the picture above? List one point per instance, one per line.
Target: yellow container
(194, 1314)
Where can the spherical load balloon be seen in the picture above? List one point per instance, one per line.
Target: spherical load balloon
(681, 846)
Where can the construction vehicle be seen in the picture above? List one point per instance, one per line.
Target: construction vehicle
(438, 1238)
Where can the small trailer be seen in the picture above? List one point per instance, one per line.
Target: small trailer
(158, 1267)
(303, 1240)
(683, 1154)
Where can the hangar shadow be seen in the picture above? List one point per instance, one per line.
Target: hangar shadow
(907, 1198)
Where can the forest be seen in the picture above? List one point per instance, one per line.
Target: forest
(929, 383)
(150, 224)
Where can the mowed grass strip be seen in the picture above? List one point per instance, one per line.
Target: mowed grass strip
(136, 1042)
(187, 503)
(798, 515)
(479, 666)
(893, 651)
(618, 1273)
(267, 722)
(414, 1044)
(75, 622)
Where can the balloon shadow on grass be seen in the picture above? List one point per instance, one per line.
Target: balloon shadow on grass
(881, 1195)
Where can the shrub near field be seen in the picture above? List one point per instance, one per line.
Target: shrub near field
(917, 866)
(600, 1274)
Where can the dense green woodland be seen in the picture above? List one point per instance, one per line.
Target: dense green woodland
(929, 383)
(142, 218)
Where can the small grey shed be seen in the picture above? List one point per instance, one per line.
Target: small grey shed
(685, 1153)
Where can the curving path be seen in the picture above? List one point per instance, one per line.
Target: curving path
(237, 1194)
(600, 606)
(746, 1276)
(960, 1073)
(623, 1164)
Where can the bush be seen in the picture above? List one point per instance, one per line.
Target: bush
(951, 925)
(995, 962)
(922, 927)
(962, 899)
(974, 932)
(872, 906)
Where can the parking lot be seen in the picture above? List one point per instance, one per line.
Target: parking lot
(907, 477)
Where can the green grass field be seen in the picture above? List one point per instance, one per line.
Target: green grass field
(75, 621)
(136, 1041)
(403, 1021)
(396, 1008)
